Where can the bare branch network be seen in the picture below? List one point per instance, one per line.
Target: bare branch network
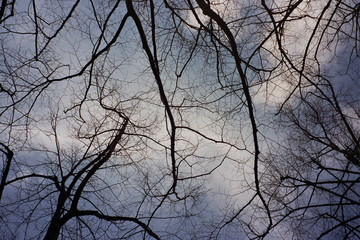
(189, 119)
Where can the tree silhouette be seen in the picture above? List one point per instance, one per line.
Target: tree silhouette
(179, 119)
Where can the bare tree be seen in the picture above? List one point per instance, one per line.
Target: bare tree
(313, 171)
(157, 119)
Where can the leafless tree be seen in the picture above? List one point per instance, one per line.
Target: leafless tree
(313, 173)
(157, 119)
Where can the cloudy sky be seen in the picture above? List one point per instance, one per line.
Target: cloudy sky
(212, 102)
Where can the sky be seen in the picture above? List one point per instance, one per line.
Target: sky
(206, 99)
